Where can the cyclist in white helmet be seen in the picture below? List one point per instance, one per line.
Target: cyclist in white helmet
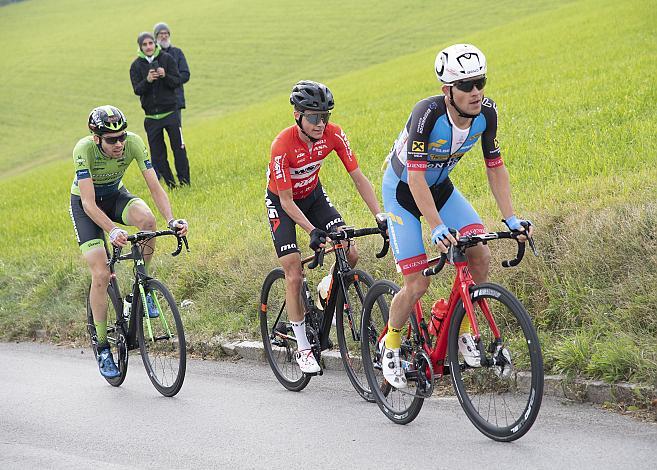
(439, 132)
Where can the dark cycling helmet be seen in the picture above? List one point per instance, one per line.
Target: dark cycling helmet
(311, 96)
(106, 119)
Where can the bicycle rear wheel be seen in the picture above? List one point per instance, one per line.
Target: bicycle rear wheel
(115, 334)
(357, 286)
(277, 335)
(400, 406)
(162, 340)
(503, 396)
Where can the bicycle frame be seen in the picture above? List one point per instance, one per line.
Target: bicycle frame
(339, 245)
(463, 284)
(340, 270)
(461, 288)
(140, 283)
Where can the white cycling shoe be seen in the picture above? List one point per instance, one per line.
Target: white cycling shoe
(469, 351)
(307, 362)
(391, 365)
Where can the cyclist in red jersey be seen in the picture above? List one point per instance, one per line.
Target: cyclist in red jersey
(295, 195)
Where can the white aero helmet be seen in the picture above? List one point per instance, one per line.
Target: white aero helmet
(459, 62)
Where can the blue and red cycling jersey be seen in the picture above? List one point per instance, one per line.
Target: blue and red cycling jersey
(430, 143)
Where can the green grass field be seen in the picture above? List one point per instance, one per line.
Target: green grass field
(574, 85)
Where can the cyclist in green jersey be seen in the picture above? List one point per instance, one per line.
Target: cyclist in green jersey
(99, 201)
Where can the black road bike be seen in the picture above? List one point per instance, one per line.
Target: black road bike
(347, 285)
(160, 337)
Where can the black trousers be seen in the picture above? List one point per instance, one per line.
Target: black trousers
(155, 131)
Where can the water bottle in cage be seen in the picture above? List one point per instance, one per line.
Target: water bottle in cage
(438, 312)
(127, 305)
(322, 292)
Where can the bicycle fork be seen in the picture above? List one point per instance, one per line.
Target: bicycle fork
(495, 349)
(147, 318)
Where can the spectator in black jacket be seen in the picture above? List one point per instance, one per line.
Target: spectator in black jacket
(162, 34)
(155, 77)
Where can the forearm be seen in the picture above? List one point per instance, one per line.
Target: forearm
(498, 180)
(98, 216)
(293, 211)
(423, 198)
(139, 83)
(183, 68)
(172, 77)
(162, 203)
(366, 191)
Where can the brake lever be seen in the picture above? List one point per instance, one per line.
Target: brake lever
(532, 245)
(116, 252)
(318, 260)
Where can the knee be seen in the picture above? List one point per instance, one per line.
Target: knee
(100, 277)
(479, 259)
(417, 287)
(293, 278)
(352, 256)
(146, 221)
(149, 222)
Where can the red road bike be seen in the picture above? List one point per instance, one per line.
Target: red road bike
(502, 397)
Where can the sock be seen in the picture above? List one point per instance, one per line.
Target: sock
(300, 334)
(465, 325)
(101, 332)
(393, 338)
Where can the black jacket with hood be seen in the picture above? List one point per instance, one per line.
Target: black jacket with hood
(160, 95)
(183, 69)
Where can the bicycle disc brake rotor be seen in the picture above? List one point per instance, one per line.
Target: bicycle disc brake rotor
(502, 365)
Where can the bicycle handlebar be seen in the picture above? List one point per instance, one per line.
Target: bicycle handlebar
(472, 240)
(348, 233)
(144, 235)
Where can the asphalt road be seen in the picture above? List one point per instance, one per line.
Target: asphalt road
(57, 412)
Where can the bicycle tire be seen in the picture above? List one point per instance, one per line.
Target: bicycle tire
(115, 336)
(517, 386)
(164, 352)
(400, 407)
(350, 346)
(279, 351)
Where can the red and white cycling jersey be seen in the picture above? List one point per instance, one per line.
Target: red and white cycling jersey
(295, 166)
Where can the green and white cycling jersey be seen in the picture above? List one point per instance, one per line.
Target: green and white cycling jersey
(107, 172)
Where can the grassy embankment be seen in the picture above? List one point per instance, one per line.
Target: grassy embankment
(575, 92)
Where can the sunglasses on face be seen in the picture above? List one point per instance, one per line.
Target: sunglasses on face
(468, 85)
(315, 118)
(114, 140)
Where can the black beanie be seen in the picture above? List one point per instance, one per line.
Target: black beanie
(142, 36)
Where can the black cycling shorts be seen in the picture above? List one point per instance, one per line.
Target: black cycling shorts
(90, 235)
(317, 207)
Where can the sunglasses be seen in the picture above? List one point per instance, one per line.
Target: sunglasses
(315, 118)
(114, 140)
(468, 85)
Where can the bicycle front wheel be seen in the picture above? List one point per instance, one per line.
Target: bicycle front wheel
(350, 311)
(115, 334)
(277, 335)
(400, 406)
(161, 338)
(502, 397)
